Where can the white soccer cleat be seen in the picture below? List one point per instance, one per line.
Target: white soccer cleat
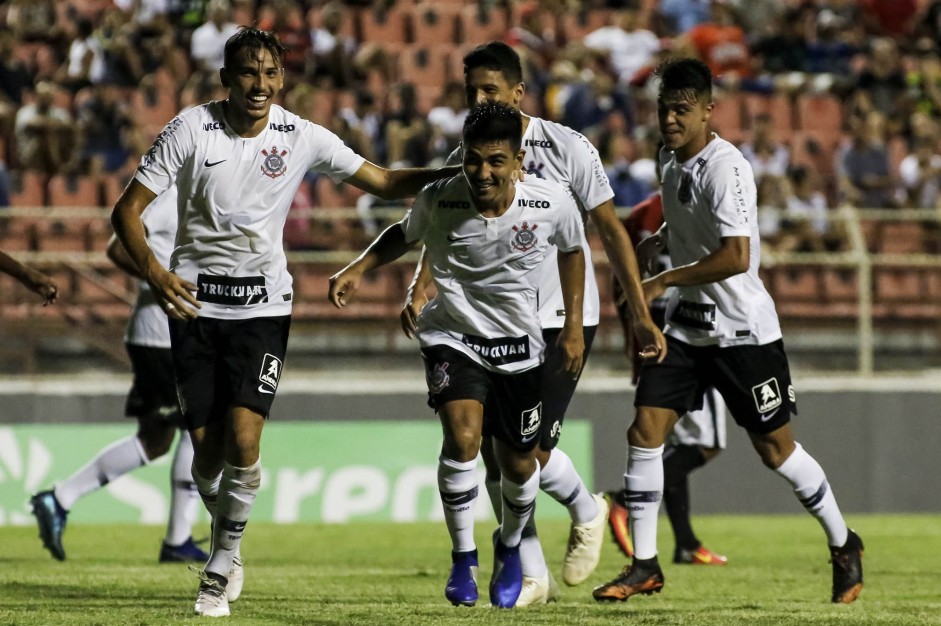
(210, 599)
(584, 548)
(236, 579)
(538, 590)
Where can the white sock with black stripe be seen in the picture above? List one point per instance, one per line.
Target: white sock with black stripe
(812, 489)
(643, 490)
(458, 487)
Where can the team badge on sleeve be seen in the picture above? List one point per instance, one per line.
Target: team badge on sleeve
(274, 164)
(525, 238)
(531, 419)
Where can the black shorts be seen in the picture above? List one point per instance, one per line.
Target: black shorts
(153, 391)
(558, 387)
(512, 407)
(754, 381)
(223, 363)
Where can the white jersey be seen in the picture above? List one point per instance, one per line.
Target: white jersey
(558, 153)
(234, 196)
(487, 270)
(708, 197)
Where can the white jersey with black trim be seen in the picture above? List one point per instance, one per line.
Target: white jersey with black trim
(710, 196)
(234, 196)
(148, 323)
(487, 270)
(558, 153)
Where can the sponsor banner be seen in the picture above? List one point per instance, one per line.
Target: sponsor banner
(311, 472)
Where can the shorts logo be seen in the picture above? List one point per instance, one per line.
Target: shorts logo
(525, 239)
(270, 374)
(274, 164)
(438, 379)
(767, 395)
(529, 424)
(556, 430)
(791, 395)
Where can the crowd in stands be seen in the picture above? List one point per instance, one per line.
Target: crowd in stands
(832, 101)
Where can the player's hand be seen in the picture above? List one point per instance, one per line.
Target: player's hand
(654, 287)
(43, 285)
(343, 286)
(415, 301)
(647, 252)
(571, 343)
(174, 294)
(650, 340)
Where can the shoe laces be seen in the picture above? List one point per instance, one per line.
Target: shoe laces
(208, 586)
(578, 536)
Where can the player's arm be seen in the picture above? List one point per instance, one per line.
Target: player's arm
(172, 290)
(387, 247)
(399, 183)
(119, 256)
(572, 338)
(730, 259)
(416, 295)
(34, 280)
(617, 245)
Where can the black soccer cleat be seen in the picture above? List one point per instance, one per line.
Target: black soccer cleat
(641, 576)
(847, 569)
(51, 518)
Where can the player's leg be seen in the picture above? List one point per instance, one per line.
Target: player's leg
(178, 544)
(457, 390)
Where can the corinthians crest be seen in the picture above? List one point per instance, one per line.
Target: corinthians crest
(274, 164)
(685, 193)
(525, 237)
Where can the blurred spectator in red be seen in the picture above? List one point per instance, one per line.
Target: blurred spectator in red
(405, 128)
(767, 156)
(891, 18)
(881, 85)
(920, 173)
(626, 46)
(447, 122)
(864, 177)
(45, 135)
(109, 135)
(208, 41)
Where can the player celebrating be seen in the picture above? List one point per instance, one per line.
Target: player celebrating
(152, 400)
(492, 73)
(722, 331)
(237, 165)
(487, 240)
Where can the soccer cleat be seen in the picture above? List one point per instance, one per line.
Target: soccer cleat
(51, 518)
(847, 569)
(233, 588)
(644, 577)
(507, 580)
(584, 547)
(618, 522)
(538, 590)
(186, 552)
(461, 589)
(210, 599)
(700, 556)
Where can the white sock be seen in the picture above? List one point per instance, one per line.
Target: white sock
(518, 504)
(237, 492)
(458, 486)
(812, 489)
(113, 461)
(184, 499)
(531, 556)
(496, 497)
(560, 480)
(643, 488)
(208, 489)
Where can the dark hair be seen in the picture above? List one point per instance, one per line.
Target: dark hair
(494, 121)
(685, 75)
(249, 39)
(496, 56)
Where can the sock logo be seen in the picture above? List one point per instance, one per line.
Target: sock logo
(767, 395)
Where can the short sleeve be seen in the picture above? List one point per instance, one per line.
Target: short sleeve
(159, 166)
(730, 190)
(588, 181)
(569, 229)
(330, 156)
(416, 220)
(456, 157)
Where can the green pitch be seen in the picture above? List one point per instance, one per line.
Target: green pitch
(374, 574)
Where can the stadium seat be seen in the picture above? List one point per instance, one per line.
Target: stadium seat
(17, 234)
(777, 106)
(386, 27)
(112, 185)
(435, 23)
(65, 235)
(893, 284)
(74, 191)
(28, 190)
(726, 119)
(820, 116)
(478, 25)
(428, 97)
(797, 284)
(903, 237)
(422, 64)
(813, 151)
(840, 285)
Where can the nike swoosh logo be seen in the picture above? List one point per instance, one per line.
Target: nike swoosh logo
(765, 418)
(530, 438)
(206, 163)
(261, 389)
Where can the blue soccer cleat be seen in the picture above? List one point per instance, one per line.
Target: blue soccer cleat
(186, 552)
(507, 580)
(50, 517)
(461, 589)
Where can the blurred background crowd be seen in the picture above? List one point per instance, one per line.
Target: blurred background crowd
(832, 101)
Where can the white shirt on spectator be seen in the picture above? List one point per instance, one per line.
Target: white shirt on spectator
(208, 44)
(627, 52)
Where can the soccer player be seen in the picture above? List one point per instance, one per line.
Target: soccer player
(236, 164)
(492, 73)
(34, 280)
(698, 436)
(487, 240)
(152, 401)
(722, 331)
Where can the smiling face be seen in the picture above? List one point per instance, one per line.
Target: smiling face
(253, 81)
(683, 116)
(483, 84)
(488, 168)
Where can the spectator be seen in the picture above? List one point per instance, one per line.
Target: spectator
(333, 52)
(405, 128)
(208, 40)
(805, 224)
(626, 46)
(447, 120)
(682, 15)
(86, 59)
(920, 173)
(109, 134)
(830, 52)
(629, 190)
(772, 194)
(767, 156)
(862, 165)
(881, 85)
(33, 20)
(45, 135)
(589, 105)
(530, 36)
(291, 27)
(360, 126)
(781, 49)
(924, 78)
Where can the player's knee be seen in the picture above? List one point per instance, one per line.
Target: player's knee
(155, 441)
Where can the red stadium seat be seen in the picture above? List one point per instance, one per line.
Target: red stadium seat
(479, 24)
(435, 23)
(726, 118)
(422, 64)
(74, 191)
(820, 116)
(902, 238)
(29, 190)
(385, 27)
(777, 106)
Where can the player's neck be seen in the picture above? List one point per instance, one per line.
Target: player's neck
(694, 147)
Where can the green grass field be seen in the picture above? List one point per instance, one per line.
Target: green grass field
(373, 574)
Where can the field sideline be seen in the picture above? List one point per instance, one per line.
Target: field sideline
(374, 574)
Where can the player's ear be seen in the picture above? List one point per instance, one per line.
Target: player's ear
(709, 108)
(223, 77)
(518, 92)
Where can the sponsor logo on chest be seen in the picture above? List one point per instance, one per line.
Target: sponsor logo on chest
(231, 290)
